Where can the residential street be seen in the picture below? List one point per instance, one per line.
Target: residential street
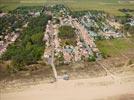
(50, 52)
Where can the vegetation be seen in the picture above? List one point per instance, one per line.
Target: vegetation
(11, 22)
(26, 9)
(29, 47)
(128, 28)
(115, 47)
(91, 58)
(67, 34)
(123, 19)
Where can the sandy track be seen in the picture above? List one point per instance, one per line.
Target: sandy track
(82, 89)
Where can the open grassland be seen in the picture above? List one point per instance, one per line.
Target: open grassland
(116, 47)
(110, 6)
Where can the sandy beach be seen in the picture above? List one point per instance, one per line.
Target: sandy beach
(101, 88)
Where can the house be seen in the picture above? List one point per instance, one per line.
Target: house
(1, 43)
(131, 22)
(67, 57)
(2, 14)
(37, 14)
(13, 39)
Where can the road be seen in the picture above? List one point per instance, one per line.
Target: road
(84, 34)
(52, 54)
(53, 65)
(50, 49)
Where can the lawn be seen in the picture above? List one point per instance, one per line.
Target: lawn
(115, 46)
(110, 6)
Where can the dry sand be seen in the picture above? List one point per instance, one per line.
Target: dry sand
(101, 88)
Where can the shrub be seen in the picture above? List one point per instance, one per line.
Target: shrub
(91, 58)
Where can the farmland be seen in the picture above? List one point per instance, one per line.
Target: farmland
(110, 6)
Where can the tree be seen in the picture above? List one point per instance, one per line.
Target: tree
(66, 32)
(29, 47)
(37, 38)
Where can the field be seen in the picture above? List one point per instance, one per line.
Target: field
(110, 6)
(116, 47)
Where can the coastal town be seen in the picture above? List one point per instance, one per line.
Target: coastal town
(87, 31)
(66, 49)
(88, 26)
(65, 37)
